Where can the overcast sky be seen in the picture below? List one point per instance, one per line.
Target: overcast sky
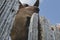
(30, 2)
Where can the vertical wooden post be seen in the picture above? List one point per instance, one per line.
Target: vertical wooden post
(33, 28)
(8, 9)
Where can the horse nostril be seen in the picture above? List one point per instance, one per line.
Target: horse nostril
(37, 10)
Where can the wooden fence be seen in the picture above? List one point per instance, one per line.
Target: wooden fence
(8, 9)
(33, 28)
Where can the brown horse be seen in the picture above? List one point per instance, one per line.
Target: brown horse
(21, 23)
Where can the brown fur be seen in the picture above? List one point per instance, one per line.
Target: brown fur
(19, 30)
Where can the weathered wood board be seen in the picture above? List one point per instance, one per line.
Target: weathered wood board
(8, 9)
(33, 28)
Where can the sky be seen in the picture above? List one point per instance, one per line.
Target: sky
(30, 2)
(48, 8)
(51, 10)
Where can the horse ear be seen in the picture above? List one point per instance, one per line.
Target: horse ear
(21, 6)
(36, 3)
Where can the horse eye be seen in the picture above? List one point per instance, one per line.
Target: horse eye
(26, 5)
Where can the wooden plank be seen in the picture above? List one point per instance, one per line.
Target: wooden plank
(33, 28)
(1, 3)
(7, 17)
